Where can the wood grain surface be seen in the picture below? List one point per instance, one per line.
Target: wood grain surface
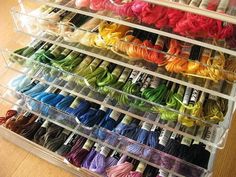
(16, 162)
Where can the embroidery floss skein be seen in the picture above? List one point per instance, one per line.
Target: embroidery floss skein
(153, 136)
(36, 90)
(65, 103)
(21, 122)
(40, 54)
(184, 169)
(41, 95)
(89, 70)
(40, 51)
(100, 72)
(62, 26)
(194, 56)
(180, 63)
(95, 119)
(84, 33)
(156, 92)
(110, 78)
(77, 145)
(98, 163)
(32, 84)
(172, 146)
(131, 87)
(192, 110)
(15, 123)
(30, 131)
(78, 107)
(162, 159)
(90, 113)
(184, 147)
(83, 108)
(139, 170)
(54, 53)
(80, 154)
(41, 131)
(173, 103)
(198, 29)
(108, 123)
(66, 147)
(129, 130)
(212, 110)
(122, 127)
(53, 131)
(89, 158)
(165, 135)
(21, 82)
(55, 143)
(111, 120)
(198, 154)
(141, 137)
(87, 66)
(150, 171)
(12, 112)
(30, 49)
(20, 126)
(120, 83)
(122, 169)
(111, 161)
(70, 62)
(186, 99)
(206, 150)
(143, 133)
(137, 102)
(51, 99)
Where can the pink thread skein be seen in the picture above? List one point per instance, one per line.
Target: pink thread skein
(183, 23)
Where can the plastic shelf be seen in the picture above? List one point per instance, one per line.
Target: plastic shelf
(104, 15)
(109, 139)
(58, 28)
(86, 87)
(43, 153)
(107, 55)
(14, 69)
(196, 10)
